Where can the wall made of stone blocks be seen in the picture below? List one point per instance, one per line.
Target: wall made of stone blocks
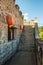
(32, 23)
(17, 22)
(8, 6)
(3, 33)
(2, 12)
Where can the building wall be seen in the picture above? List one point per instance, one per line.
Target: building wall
(17, 21)
(26, 23)
(30, 23)
(3, 25)
(3, 33)
(8, 7)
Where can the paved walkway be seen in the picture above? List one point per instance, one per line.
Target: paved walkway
(26, 54)
(22, 58)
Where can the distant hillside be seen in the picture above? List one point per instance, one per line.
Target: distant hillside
(41, 32)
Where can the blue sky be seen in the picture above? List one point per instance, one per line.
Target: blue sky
(32, 8)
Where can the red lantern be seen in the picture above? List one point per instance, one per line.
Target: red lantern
(21, 27)
(9, 20)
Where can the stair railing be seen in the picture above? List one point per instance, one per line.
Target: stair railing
(38, 46)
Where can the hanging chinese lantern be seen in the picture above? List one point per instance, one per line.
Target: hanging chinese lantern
(9, 20)
(21, 27)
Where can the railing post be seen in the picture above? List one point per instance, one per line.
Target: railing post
(41, 56)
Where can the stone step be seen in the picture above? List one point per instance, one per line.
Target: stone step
(26, 49)
(27, 39)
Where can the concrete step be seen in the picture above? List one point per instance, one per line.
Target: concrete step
(27, 48)
(27, 39)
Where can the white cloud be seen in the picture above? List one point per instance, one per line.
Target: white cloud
(26, 16)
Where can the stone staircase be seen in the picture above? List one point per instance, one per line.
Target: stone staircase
(25, 54)
(27, 39)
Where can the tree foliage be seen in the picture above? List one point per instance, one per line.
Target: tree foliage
(41, 32)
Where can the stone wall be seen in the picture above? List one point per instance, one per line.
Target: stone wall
(30, 23)
(3, 25)
(9, 7)
(18, 20)
(3, 33)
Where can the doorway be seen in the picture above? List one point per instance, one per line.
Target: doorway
(10, 33)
